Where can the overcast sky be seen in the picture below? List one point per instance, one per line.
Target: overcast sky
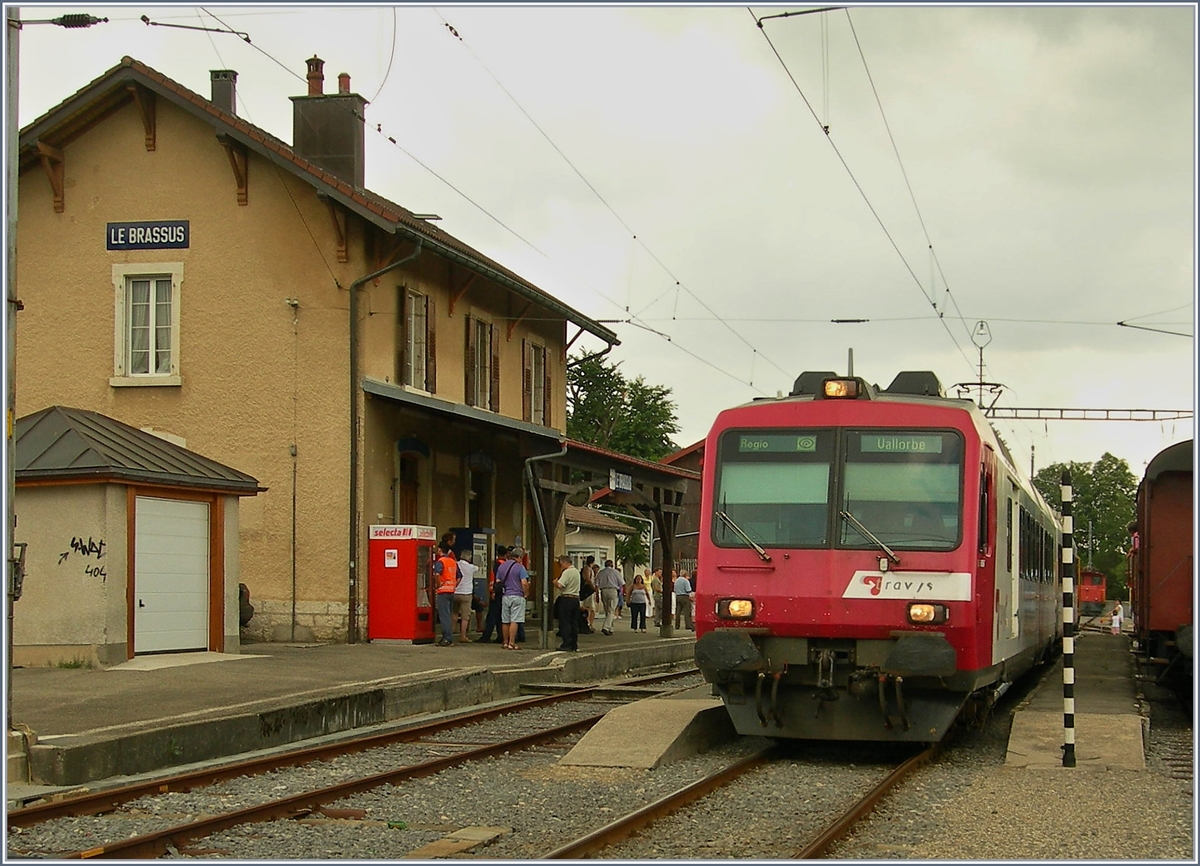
(662, 170)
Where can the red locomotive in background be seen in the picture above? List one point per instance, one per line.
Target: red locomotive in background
(871, 562)
(1161, 570)
(1091, 592)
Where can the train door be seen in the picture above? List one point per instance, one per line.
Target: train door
(1014, 561)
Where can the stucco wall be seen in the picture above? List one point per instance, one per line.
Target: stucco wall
(259, 376)
(77, 550)
(265, 384)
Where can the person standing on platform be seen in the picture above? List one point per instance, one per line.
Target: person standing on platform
(656, 596)
(1117, 613)
(464, 592)
(683, 601)
(495, 596)
(587, 602)
(515, 581)
(445, 571)
(568, 605)
(638, 593)
(610, 583)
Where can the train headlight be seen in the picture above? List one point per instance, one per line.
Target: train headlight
(922, 613)
(841, 389)
(735, 608)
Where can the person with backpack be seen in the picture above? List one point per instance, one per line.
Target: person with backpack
(515, 582)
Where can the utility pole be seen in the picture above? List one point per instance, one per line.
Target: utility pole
(15, 565)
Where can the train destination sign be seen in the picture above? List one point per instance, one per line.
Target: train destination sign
(900, 443)
(151, 235)
(775, 443)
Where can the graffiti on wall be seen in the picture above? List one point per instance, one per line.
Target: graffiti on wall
(87, 549)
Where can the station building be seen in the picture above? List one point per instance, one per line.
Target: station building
(186, 273)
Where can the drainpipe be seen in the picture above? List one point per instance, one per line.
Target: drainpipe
(537, 508)
(355, 515)
(593, 357)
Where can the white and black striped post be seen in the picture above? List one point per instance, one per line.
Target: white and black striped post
(1068, 579)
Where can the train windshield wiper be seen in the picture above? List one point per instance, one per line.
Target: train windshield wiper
(741, 533)
(869, 535)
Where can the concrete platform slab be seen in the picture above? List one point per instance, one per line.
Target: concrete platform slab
(177, 660)
(1102, 741)
(647, 734)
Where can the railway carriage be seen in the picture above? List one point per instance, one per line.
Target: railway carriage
(872, 562)
(1162, 571)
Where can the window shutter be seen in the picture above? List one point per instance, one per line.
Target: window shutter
(526, 382)
(430, 348)
(402, 336)
(469, 363)
(495, 347)
(547, 400)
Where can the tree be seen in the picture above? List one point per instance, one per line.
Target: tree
(1104, 497)
(629, 417)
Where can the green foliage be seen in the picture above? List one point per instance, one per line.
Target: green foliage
(633, 548)
(1104, 493)
(629, 417)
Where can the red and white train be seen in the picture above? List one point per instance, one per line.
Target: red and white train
(871, 562)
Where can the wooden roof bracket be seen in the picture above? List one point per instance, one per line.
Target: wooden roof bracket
(571, 342)
(146, 102)
(512, 326)
(239, 161)
(338, 214)
(53, 162)
(385, 253)
(454, 300)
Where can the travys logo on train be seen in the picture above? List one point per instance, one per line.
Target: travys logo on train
(942, 585)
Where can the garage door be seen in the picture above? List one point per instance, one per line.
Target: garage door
(170, 602)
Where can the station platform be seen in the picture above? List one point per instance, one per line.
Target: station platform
(159, 712)
(1108, 722)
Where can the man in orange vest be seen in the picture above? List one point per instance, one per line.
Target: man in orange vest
(445, 575)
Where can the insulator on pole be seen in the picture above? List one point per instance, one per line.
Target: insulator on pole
(77, 19)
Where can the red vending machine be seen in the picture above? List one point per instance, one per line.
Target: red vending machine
(399, 597)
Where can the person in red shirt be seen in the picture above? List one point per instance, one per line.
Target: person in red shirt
(445, 575)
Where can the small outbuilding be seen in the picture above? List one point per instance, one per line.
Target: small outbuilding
(131, 543)
(589, 532)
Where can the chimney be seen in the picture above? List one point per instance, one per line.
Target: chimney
(329, 130)
(316, 76)
(224, 89)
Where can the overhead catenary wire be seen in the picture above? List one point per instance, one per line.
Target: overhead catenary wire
(679, 285)
(391, 140)
(378, 128)
(705, 361)
(866, 199)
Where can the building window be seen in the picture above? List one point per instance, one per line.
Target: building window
(146, 345)
(482, 366)
(416, 343)
(536, 385)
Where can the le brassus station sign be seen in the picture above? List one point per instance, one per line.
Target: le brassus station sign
(150, 235)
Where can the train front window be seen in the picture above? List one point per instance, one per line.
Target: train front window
(905, 487)
(775, 487)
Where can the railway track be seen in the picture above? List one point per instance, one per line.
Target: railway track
(127, 805)
(642, 820)
(346, 808)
